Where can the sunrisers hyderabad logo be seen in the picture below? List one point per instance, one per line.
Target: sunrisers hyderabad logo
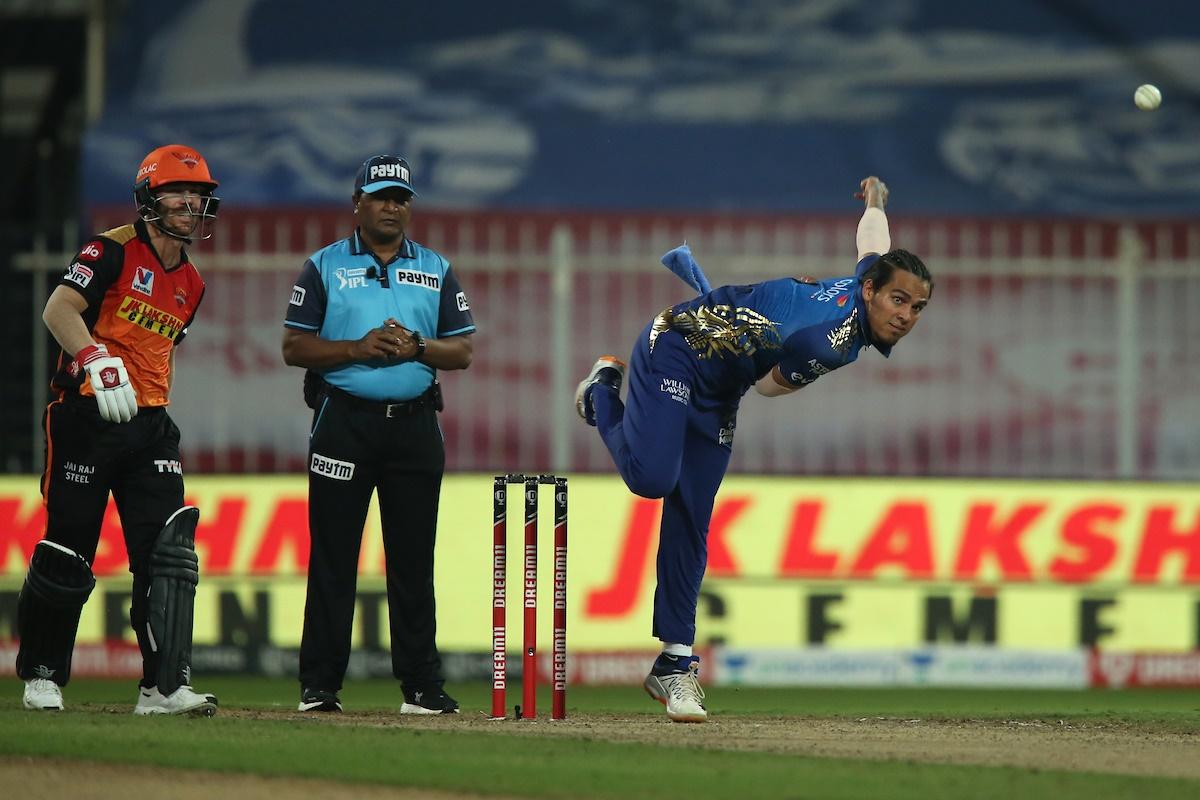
(189, 159)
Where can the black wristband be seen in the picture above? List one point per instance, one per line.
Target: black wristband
(420, 340)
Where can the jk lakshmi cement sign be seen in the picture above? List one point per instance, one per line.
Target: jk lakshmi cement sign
(851, 564)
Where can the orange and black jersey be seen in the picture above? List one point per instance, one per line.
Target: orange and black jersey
(136, 307)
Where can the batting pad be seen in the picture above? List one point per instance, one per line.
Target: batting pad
(57, 585)
(174, 573)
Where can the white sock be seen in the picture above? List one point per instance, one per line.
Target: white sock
(673, 649)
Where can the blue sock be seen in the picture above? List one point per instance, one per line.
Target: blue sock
(667, 664)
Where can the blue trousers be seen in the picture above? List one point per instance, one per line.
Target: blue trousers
(668, 440)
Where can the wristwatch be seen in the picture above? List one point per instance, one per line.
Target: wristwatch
(420, 340)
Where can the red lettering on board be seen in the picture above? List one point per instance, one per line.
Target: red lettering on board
(110, 552)
(720, 558)
(217, 534)
(800, 556)
(984, 534)
(22, 531)
(1089, 529)
(620, 596)
(901, 538)
(288, 526)
(1160, 539)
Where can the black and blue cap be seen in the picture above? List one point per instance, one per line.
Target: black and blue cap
(382, 172)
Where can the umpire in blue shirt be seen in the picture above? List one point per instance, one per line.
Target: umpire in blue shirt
(372, 318)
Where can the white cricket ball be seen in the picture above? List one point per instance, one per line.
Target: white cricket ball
(1147, 97)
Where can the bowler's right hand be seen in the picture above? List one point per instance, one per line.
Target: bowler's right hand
(114, 395)
(873, 192)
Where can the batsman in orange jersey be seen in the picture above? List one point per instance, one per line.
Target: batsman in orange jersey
(119, 311)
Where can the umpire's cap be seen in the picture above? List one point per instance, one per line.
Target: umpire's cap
(380, 172)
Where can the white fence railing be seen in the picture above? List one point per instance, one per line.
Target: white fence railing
(1067, 349)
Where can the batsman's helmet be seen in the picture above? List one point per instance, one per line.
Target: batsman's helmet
(174, 163)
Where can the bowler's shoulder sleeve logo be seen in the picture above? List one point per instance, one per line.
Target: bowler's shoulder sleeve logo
(461, 298)
(297, 296)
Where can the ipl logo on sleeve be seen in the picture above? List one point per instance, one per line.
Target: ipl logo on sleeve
(79, 274)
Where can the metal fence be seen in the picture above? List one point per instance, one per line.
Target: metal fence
(1050, 349)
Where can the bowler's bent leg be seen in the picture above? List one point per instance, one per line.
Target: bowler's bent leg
(645, 435)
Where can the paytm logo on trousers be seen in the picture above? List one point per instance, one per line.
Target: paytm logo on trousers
(331, 467)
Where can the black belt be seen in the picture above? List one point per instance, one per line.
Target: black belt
(386, 408)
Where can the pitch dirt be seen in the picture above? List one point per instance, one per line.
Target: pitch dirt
(53, 779)
(1042, 745)
(1045, 745)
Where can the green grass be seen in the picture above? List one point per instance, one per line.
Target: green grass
(550, 766)
(1151, 705)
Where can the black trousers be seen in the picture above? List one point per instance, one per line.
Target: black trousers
(138, 462)
(354, 450)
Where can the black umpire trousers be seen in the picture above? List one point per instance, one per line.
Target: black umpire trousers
(355, 449)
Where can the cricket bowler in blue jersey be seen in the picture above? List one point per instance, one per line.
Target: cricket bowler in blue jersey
(691, 365)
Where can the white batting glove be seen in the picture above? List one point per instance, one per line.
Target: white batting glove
(114, 394)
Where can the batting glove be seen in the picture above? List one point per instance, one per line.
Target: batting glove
(114, 395)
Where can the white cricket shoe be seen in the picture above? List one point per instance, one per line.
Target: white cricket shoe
(183, 700)
(608, 370)
(680, 692)
(42, 694)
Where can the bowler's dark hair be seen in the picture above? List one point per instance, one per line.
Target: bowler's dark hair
(881, 271)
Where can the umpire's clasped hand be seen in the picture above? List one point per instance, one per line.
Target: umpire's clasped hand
(390, 341)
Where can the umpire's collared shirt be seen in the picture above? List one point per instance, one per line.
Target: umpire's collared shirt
(344, 291)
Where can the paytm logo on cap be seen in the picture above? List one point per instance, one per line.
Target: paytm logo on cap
(382, 171)
(379, 172)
